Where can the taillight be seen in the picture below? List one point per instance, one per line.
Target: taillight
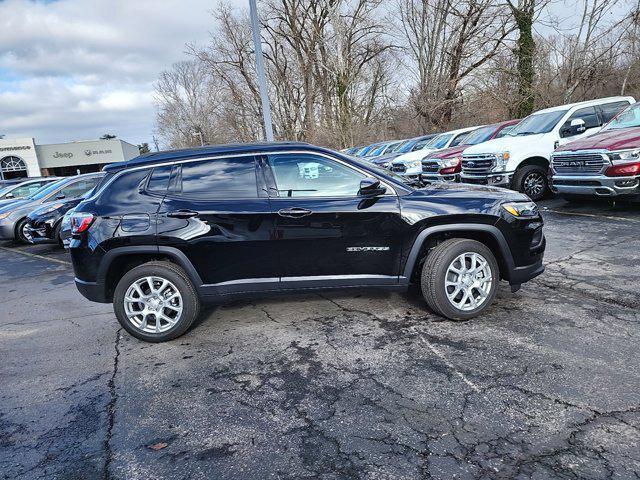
(623, 170)
(80, 222)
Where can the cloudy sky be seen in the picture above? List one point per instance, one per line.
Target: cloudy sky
(76, 69)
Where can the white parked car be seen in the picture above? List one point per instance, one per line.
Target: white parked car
(410, 164)
(520, 160)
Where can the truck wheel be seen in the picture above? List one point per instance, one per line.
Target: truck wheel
(156, 302)
(460, 278)
(532, 180)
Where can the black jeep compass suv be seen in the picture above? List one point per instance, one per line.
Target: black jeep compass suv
(169, 230)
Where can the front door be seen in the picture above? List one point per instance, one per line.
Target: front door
(326, 232)
(218, 215)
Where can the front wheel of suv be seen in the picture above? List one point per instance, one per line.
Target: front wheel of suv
(156, 302)
(460, 278)
(532, 180)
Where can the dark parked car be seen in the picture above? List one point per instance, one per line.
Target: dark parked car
(44, 223)
(169, 230)
(13, 217)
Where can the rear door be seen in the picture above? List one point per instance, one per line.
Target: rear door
(217, 213)
(325, 231)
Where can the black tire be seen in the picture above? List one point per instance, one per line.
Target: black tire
(56, 235)
(532, 180)
(175, 275)
(434, 272)
(19, 235)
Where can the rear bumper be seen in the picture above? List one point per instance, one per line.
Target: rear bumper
(93, 291)
(596, 185)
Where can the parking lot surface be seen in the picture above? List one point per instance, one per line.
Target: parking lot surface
(335, 385)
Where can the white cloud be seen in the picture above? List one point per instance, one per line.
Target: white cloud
(73, 69)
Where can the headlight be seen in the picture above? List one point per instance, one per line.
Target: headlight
(449, 162)
(521, 209)
(624, 156)
(4, 215)
(502, 159)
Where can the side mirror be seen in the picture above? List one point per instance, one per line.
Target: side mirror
(60, 196)
(370, 187)
(577, 126)
(9, 195)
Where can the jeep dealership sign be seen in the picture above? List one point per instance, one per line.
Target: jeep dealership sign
(85, 153)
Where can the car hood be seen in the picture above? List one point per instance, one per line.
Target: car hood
(413, 156)
(443, 198)
(473, 191)
(621, 139)
(449, 152)
(499, 145)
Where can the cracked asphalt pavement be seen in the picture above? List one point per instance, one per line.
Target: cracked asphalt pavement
(337, 385)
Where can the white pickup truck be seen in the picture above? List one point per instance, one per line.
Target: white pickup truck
(520, 160)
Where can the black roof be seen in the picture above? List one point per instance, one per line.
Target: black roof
(171, 155)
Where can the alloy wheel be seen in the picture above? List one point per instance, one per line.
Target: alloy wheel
(468, 281)
(534, 184)
(153, 304)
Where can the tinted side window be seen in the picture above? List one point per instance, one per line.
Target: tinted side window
(307, 175)
(159, 180)
(220, 178)
(588, 114)
(610, 110)
(26, 190)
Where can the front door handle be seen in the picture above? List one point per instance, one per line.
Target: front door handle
(294, 212)
(182, 214)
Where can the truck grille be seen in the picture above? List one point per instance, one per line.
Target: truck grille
(578, 163)
(477, 164)
(430, 166)
(400, 168)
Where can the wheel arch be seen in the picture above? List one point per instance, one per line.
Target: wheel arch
(488, 235)
(534, 160)
(120, 260)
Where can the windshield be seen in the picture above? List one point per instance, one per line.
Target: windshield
(480, 135)
(393, 147)
(628, 118)
(405, 146)
(440, 141)
(46, 190)
(374, 152)
(538, 123)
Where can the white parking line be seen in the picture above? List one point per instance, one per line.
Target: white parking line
(35, 255)
(446, 361)
(610, 217)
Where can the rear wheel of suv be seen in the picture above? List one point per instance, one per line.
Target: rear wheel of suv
(532, 180)
(156, 302)
(460, 278)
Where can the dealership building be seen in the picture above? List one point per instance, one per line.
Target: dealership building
(22, 157)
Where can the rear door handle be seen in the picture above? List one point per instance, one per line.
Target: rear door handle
(182, 214)
(294, 212)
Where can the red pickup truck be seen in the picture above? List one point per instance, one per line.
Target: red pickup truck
(606, 164)
(446, 165)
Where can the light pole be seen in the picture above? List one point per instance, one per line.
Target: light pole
(262, 80)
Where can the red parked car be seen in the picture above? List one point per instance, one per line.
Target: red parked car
(446, 165)
(606, 164)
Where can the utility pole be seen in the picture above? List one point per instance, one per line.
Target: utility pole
(262, 80)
